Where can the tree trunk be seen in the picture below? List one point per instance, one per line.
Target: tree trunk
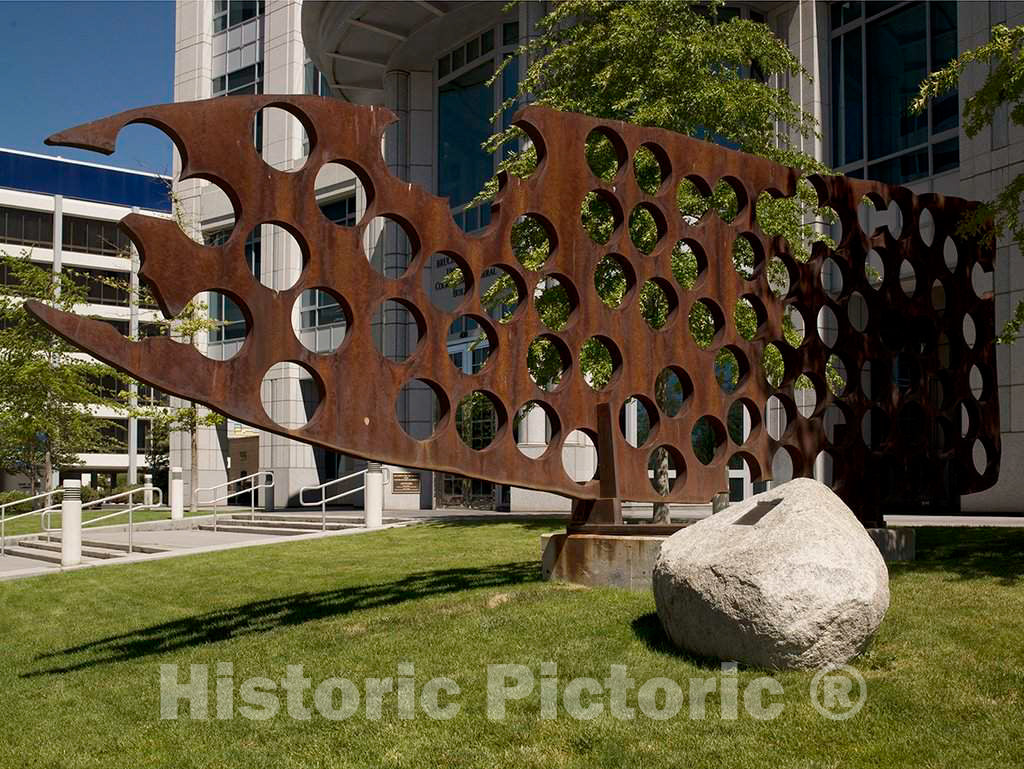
(194, 469)
(661, 482)
(661, 512)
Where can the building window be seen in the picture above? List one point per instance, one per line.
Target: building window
(322, 321)
(228, 317)
(873, 133)
(342, 211)
(247, 80)
(92, 236)
(319, 309)
(19, 227)
(316, 82)
(103, 286)
(114, 436)
(228, 13)
(465, 107)
(8, 278)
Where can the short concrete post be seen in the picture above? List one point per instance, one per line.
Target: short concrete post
(177, 493)
(147, 495)
(373, 495)
(71, 524)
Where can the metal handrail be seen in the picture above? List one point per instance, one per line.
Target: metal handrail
(324, 499)
(46, 513)
(40, 512)
(252, 488)
(132, 507)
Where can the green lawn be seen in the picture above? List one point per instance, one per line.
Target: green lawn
(79, 671)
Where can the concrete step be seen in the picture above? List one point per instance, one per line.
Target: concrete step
(238, 528)
(285, 523)
(123, 546)
(54, 547)
(350, 520)
(35, 555)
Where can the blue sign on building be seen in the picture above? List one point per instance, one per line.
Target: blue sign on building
(54, 176)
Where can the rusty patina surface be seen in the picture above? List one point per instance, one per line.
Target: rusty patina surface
(913, 352)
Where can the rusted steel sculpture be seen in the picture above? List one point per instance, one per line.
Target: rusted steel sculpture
(920, 362)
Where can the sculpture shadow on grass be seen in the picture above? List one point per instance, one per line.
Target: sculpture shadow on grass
(283, 611)
(969, 553)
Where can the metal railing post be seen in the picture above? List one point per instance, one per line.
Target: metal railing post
(71, 524)
(131, 510)
(323, 509)
(252, 499)
(177, 490)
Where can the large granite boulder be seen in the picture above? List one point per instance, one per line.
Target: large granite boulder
(786, 579)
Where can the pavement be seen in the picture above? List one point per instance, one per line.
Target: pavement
(176, 539)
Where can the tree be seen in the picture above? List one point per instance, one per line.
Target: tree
(1003, 54)
(188, 325)
(682, 66)
(47, 392)
(158, 449)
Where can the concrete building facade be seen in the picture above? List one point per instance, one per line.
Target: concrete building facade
(62, 215)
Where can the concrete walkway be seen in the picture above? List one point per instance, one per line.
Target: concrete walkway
(173, 538)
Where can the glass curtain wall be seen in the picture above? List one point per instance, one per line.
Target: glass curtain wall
(881, 51)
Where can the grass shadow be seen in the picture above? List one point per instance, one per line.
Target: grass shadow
(284, 611)
(969, 553)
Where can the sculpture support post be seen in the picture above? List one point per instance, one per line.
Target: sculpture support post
(607, 509)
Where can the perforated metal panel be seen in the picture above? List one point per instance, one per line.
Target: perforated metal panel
(911, 427)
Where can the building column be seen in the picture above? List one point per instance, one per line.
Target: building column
(133, 386)
(396, 136)
(58, 239)
(284, 58)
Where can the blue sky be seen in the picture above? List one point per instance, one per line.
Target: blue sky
(65, 63)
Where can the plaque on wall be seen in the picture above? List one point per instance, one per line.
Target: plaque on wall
(405, 483)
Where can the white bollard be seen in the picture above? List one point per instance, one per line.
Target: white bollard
(177, 494)
(71, 524)
(373, 496)
(147, 495)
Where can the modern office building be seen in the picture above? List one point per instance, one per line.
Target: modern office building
(430, 62)
(63, 215)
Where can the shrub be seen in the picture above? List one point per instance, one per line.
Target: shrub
(13, 496)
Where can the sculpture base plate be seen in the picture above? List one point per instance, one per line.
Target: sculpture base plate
(621, 558)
